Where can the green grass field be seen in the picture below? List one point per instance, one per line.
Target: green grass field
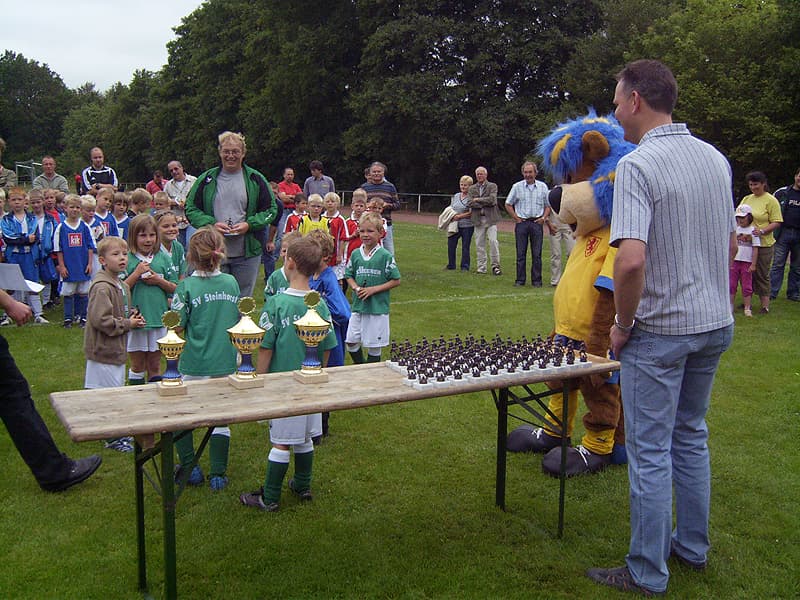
(404, 494)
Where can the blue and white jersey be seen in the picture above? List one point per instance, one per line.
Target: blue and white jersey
(108, 223)
(74, 243)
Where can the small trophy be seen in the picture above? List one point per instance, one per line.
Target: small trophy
(246, 336)
(171, 346)
(312, 329)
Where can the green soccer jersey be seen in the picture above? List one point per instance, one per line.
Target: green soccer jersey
(277, 319)
(367, 270)
(178, 259)
(151, 299)
(207, 306)
(276, 283)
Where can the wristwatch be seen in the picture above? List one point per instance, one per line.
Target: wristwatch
(622, 327)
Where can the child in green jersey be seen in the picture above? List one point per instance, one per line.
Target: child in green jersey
(371, 272)
(207, 302)
(168, 231)
(278, 280)
(282, 350)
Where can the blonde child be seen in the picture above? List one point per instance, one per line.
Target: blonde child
(358, 205)
(314, 219)
(109, 319)
(75, 248)
(88, 208)
(160, 202)
(371, 273)
(375, 205)
(46, 225)
(102, 214)
(149, 275)
(338, 230)
(282, 350)
(21, 239)
(49, 199)
(168, 231)
(278, 280)
(746, 260)
(207, 302)
(140, 202)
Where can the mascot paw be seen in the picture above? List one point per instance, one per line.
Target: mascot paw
(619, 456)
(526, 438)
(579, 462)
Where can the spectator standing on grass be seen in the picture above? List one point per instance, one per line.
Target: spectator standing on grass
(54, 471)
(460, 205)
(672, 325)
(98, 175)
(766, 218)
(156, 184)
(559, 232)
(787, 245)
(485, 215)
(238, 201)
(317, 183)
(528, 206)
(377, 186)
(49, 179)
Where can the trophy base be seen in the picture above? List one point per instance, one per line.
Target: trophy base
(166, 389)
(246, 383)
(303, 377)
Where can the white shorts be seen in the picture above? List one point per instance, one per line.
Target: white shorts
(289, 431)
(101, 375)
(145, 340)
(70, 288)
(371, 331)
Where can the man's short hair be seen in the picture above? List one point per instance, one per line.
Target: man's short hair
(307, 254)
(315, 165)
(654, 81)
(110, 242)
(233, 136)
(529, 162)
(378, 163)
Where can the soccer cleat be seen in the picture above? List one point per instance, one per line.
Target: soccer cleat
(256, 500)
(496, 270)
(123, 444)
(621, 579)
(304, 495)
(218, 482)
(41, 320)
(82, 323)
(195, 478)
(580, 461)
(764, 310)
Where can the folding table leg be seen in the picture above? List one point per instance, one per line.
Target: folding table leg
(140, 540)
(502, 433)
(168, 507)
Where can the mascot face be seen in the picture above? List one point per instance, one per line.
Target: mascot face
(584, 154)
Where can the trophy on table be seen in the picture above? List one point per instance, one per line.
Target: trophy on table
(311, 329)
(246, 336)
(171, 346)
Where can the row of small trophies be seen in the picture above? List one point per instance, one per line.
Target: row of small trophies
(246, 336)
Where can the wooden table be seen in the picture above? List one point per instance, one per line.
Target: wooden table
(139, 410)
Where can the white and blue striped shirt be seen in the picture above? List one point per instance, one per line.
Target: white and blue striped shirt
(674, 193)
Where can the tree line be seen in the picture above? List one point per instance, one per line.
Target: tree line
(433, 89)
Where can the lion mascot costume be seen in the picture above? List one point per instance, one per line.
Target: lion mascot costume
(583, 153)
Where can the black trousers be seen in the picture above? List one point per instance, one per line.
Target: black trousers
(26, 427)
(529, 232)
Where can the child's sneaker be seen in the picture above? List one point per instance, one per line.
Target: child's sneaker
(196, 477)
(41, 320)
(5, 321)
(305, 495)
(256, 500)
(120, 444)
(82, 323)
(218, 482)
(748, 312)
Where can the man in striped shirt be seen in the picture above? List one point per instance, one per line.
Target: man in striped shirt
(674, 229)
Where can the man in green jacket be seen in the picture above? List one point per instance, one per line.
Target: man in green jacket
(238, 201)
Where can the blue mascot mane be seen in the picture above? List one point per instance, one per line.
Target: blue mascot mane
(562, 154)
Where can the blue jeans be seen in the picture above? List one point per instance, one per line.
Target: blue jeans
(245, 271)
(529, 232)
(788, 243)
(666, 389)
(465, 235)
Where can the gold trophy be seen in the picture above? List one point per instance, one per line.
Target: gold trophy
(312, 329)
(171, 346)
(246, 336)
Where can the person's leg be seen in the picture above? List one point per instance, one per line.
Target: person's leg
(480, 246)
(452, 244)
(388, 241)
(277, 466)
(303, 463)
(691, 470)
(26, 427)
(153, 364)
(780, 254)
(521, 241)
(793, 282)
(747, 289)
(761, 277)
(536, 234)
(218, 449)
(245, 271)
(651, 376)
(138, 367)
(69, 310)
(494, 247)
(555, 257)
(466, 242)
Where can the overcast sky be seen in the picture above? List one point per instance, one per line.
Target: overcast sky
(91, 40)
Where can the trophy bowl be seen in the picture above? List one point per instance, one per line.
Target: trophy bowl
(171, 346)
(311, 329)
(246, 336)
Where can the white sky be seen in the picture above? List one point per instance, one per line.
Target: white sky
(91, 40)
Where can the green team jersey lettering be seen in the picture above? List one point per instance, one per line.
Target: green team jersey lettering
(368, 270)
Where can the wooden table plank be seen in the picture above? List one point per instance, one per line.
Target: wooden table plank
(114, 412)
